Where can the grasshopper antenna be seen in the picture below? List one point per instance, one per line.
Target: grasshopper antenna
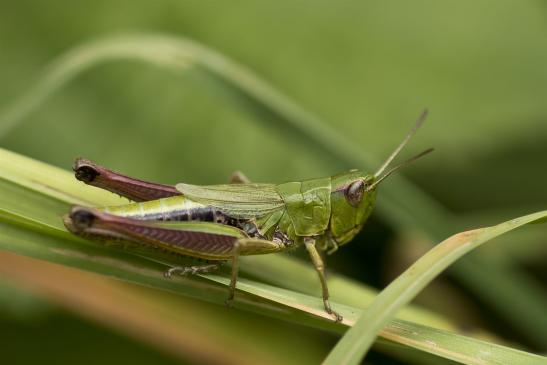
(419, 122)
(397, 167)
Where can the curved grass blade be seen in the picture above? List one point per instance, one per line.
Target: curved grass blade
(149, 323)
(161, 320)
(358, 340)
(296, 308)
(441, 343)
(34, 229)
(162, 51)
(402, 203)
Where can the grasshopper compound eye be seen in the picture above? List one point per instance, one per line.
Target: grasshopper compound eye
(354, 193)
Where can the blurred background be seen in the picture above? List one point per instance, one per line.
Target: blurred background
(364, 68)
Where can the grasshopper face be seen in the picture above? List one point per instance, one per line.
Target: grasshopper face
(353, 194)
(352, 201)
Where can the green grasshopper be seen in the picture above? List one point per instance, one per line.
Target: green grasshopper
(217, 223)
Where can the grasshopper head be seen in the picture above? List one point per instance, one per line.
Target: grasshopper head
(353, 194)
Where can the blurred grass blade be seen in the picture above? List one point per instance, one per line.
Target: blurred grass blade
(441, 343)
(358, 340)
(297, 308)
(211, 334)
(106, 302)
(30, 224)
(162, 51)
(402, 203)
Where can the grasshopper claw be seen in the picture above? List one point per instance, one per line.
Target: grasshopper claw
(174, 270)
(337, 317)
(190, 270)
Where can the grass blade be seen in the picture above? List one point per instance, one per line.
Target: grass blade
(358, 340)
(293, 306)
(30, 211)
(105, 301)
(441, 343)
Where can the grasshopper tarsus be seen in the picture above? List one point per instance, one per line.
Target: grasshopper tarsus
(191, 270)
(336, 317)
(168, 274)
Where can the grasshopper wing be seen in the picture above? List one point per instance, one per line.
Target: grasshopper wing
(238, 200)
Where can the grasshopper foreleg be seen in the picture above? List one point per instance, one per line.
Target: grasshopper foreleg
(320, 268)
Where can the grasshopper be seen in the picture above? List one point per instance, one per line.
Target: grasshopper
(217, 223)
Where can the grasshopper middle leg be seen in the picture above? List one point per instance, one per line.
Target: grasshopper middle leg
(249, 246)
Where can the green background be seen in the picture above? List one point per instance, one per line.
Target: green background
(365, 68)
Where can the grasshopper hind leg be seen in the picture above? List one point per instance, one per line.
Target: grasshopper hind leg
(128, 187)
(210, 246)
(133, 189)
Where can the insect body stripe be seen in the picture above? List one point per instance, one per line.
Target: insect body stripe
(163, 209)
(201, 214)
(181, 209)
